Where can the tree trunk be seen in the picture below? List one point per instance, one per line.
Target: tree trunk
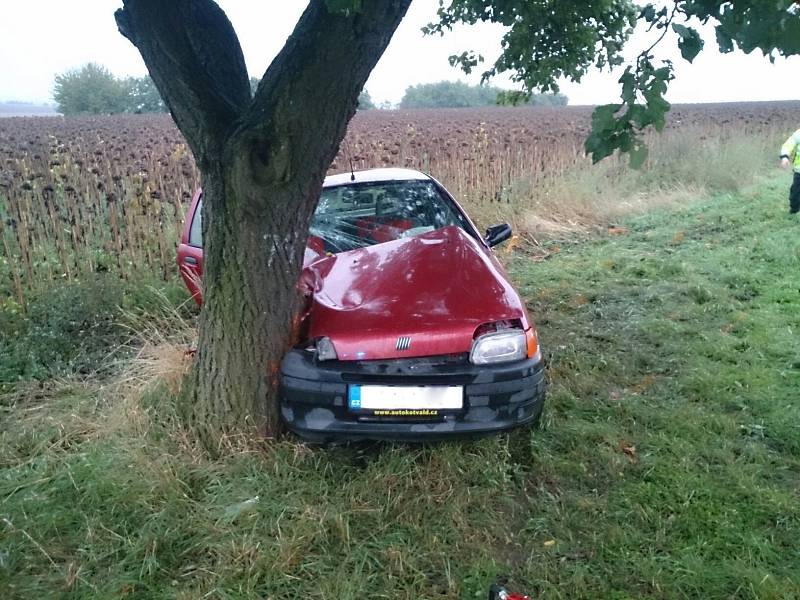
(263, 161)
(253, 259)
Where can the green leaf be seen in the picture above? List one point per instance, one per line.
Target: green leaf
(724, 41)
(603, 117)
(607, 132)
(648, 13)
(690, 43)
(625, 140)
(638, 115)
(467, 60)
(598, 147)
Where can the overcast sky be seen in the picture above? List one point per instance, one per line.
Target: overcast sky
(40, 38)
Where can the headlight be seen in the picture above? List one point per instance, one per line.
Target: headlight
(499, 347)
(325, 349)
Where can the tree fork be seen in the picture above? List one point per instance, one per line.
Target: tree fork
(263, 160)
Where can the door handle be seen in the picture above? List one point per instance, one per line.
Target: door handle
(190, 260)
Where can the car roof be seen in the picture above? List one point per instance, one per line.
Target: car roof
(374, 176)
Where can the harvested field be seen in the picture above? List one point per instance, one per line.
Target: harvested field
(90, 194)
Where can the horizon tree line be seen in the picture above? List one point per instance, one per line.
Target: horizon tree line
(93, 89)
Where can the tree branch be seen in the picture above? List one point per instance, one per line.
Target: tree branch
(194, 57)
(310, 91)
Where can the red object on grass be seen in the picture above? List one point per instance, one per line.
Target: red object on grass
(497, 592)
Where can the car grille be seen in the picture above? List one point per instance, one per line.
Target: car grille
(409, 371)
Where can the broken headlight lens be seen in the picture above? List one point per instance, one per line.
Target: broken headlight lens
(499, 347)
(325, 349)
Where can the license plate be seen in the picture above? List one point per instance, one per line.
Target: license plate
(396, 397)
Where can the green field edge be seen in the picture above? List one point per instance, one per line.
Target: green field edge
(668, 464)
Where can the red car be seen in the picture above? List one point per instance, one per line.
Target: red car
(414, 331)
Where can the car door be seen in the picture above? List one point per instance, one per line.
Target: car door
(190, 249)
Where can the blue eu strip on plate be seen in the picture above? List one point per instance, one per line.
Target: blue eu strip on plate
(354, 397)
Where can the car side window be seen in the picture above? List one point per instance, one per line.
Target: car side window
(196, 230)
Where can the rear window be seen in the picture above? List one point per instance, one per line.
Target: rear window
(359, 215)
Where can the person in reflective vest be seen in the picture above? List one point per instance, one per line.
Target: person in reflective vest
(790, 157)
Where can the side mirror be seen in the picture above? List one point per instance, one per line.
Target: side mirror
(497, 234)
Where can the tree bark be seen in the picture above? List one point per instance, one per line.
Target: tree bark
(263, 161)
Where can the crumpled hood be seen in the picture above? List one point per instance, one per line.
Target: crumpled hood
(434, 288)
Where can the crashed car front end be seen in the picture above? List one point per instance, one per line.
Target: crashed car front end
(415, 338)
(411, 329)
(324, 400)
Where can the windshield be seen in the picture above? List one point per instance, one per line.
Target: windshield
(358, 215)
(354, 216)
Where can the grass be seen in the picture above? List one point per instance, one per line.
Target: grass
(68, 328)
(683, 164)
(668, 467)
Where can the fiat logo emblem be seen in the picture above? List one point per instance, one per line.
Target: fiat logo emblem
(403, 343)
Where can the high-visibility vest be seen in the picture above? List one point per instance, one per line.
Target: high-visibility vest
(789, 150)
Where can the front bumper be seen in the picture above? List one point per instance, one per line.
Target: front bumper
(314, 405)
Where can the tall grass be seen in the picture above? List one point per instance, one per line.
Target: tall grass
(71, 329)
(683, 164)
